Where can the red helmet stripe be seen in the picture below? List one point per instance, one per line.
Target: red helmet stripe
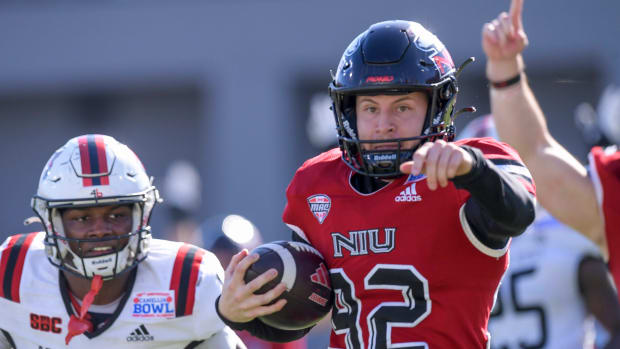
(103, 160)
(85, 160)
(94, 160)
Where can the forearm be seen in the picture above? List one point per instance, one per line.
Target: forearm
(518, 117)
(564, 188)
(499, 206)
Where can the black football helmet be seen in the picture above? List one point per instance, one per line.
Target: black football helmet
(392, 57)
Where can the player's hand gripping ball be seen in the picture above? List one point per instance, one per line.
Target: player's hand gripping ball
(308, 290)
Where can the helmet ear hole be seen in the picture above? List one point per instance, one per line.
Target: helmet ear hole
(425, 64)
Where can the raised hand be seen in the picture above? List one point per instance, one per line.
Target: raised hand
(238, 303)
(440, 161)
(504, 37)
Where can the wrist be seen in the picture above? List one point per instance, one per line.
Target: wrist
(506, 83)
(504, 69)
(478, 165)
(228, 322)
(466, 165)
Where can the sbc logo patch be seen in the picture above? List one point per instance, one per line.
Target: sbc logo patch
(319, 206)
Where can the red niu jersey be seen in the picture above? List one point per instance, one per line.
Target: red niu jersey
(406, 269)
(605, 167)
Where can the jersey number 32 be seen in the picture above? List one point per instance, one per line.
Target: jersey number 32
(416, 305)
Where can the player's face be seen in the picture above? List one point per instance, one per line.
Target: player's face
(96, 223)
(390, 116)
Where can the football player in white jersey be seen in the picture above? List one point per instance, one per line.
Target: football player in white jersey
(557, 283)
(95, 278)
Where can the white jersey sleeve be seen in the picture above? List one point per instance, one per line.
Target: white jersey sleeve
(208, 288)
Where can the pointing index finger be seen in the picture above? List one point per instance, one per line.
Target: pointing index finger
(419, 158)
(516, 11)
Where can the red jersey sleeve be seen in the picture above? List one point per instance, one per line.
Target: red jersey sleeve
(505, 158)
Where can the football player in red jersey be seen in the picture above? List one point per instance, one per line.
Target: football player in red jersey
(588, 202)
(414, 228)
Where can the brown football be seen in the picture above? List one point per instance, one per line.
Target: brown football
(302, 268)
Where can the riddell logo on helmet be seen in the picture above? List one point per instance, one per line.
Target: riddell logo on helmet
(347, 127)
(383, 157)
(102, 261)
(380, 79)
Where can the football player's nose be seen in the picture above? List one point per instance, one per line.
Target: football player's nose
(385, 124)
(99, 228)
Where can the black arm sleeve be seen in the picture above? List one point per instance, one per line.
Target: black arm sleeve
(499, 206)
(260, 330)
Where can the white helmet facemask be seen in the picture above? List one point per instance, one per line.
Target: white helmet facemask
(88, 171)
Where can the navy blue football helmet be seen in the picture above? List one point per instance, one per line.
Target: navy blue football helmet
(393, 57)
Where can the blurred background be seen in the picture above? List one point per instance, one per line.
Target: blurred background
(228, 88)
(223, 100)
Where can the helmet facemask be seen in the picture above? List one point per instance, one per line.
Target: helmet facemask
(63, 185)
(438, 124)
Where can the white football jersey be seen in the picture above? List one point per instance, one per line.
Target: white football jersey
(169, 303)
(539, 304)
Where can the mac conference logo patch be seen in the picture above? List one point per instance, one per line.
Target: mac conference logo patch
(319, 206)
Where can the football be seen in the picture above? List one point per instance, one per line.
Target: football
(308, 290)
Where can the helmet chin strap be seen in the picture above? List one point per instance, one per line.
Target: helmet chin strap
(79, 325)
